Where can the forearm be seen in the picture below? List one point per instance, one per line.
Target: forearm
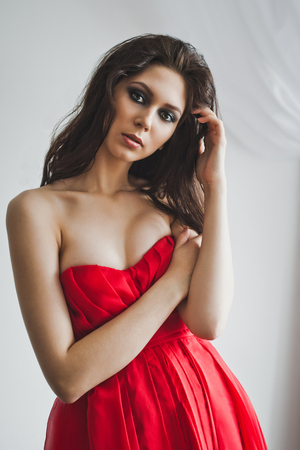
(115, 344)
(212, 284)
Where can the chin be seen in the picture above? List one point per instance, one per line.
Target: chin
(130, 155)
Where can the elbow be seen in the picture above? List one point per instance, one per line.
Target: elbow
(205, 322)
(70, 393)
(208, 334)
(67, 397)
(212, 334)
(210, 330)
(65, 391)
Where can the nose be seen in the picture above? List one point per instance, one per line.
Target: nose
(145, 120)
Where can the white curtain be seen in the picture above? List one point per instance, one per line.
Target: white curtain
(257, 51)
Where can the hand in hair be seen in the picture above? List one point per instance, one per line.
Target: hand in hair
(210, 168)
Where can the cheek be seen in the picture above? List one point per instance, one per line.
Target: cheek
(124, 109)
(168, 133)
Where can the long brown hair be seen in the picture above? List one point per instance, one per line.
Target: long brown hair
(170, 173)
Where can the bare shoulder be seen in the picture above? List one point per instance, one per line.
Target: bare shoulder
(31, 216)
(32, 205)
(37, 198)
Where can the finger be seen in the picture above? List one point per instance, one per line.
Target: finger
(203, 111)
(212, 118)
(199, 239)
(214, 124)
(183, 237)
(201, 147)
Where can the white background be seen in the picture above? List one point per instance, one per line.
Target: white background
(49, 49)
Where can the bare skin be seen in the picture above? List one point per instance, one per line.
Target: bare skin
(100, 218)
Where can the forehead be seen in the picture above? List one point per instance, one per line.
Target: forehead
(166, 84)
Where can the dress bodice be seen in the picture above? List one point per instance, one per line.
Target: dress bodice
(96, 294)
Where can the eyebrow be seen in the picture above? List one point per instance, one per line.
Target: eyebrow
(152, 95)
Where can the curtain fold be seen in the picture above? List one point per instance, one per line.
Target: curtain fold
(256, 56)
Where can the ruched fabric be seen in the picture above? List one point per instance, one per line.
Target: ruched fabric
(177, 394)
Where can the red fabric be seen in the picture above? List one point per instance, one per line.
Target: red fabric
(177, 394)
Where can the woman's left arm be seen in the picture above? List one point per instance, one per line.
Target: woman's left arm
(212, 285)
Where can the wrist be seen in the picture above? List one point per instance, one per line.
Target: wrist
(176, 283)
(218, 186)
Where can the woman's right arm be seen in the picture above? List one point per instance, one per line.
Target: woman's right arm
(73, 368)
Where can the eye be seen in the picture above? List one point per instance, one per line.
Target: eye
(167, 117)
(137, 96)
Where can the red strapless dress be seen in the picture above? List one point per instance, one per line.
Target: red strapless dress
(177, 394)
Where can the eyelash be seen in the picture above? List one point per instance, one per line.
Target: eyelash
(134, 93)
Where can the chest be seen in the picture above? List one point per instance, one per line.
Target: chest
(109, 232)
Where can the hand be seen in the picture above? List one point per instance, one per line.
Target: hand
(183, 260)
(210, 167)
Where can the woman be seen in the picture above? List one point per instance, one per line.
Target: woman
(121, 280)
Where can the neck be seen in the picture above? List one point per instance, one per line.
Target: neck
(108, 175)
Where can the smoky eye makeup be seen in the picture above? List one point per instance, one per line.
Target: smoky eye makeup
(169, 114)
(138, 96)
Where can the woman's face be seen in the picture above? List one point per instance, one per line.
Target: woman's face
(148, 108)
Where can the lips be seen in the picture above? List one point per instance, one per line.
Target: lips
(134, 138)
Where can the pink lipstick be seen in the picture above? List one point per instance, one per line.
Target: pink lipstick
(132, 140)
